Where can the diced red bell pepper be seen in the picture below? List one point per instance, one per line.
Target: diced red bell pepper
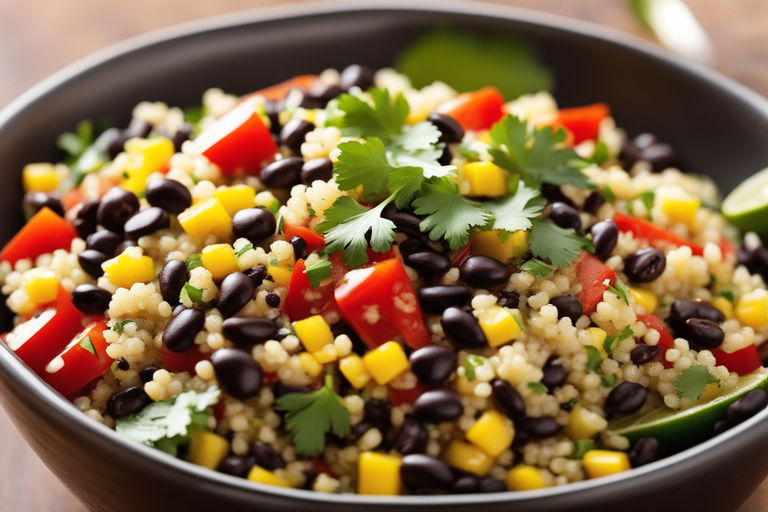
(666, 340)
(218, 409)
(43, 233)
(339, 269)
(726, 248)
(379, 302)
(322, 466)
(182, 361)
(83, 360)
(314, 240)
(592, 273)
(405, 396)
(40, 338)
(742, 361)
(238, 139)
(583, 122)
(477, 110)
(302, 299)
(280, 90)
(652, 233)
(461, 255)
(75, 196)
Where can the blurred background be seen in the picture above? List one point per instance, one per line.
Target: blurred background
(39, 37)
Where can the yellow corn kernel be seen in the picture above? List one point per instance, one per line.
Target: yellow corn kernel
(484, 136)
(752, 309)
(205, 218)
(467, 458)
(313, 332)
(599, 463)
(40, 177)
(584, 424)
(525, 478)
(645, 298)
(499, 325)
(281, 275)
(680, 209)
(492, 433)
(145, 156)
(41, 286)
(489, 243)
(236, 197)
(128, 268)
(354, 371)
(378, 474)
(485, 179)
(386, 362)
(219, 260)
(724, 305)
(597, 337)
(262, 476)
(310, 365)
(327, 354)
(207, 449)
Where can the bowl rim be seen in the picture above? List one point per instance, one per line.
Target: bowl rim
(53, 405)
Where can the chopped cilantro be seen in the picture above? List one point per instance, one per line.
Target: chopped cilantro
(608, 194)
(619, 289)
(692, 381)
(537, 268)
(728, 294)
(87, 344)
(538, 388)
(357, 118)
(310, 415)
(120, 325)
(75, 143)
(558, 245)
(580, 448)
(610, 342)
(247, 247)
(194, 261)
(318, 271)
(84, 154)
(191, 293)
(469, 154)
(363, 164)
(600, 154)
(194, 115)
(280, 223)
(311, 211)
(607, 380)
(518, 320)
(647, 198)
(273, 207)
(594, 359)
(470, 363)
(572, 402)
(515, 212)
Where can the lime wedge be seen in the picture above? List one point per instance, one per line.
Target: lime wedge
(675, 429)
(747, 205)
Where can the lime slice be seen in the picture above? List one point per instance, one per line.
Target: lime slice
(747, 205)
(676, 429)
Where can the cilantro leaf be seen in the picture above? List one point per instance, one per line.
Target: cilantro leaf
(310, 415)
(538, 388)
(619, 289)
(537, 268)
(404, 182)
(728, 295)
(192, 293)
(647, 198)
(194, 261)
(362, 164)
(600, 154)
(424, 135)
(318, 271)
(610, 342)
(468, 153)
(470, 363)
(558, 245)
(120, 325)
(608, 380)
(692, 381)
(515, 212)
(449, 214)
(608, 194)
(594, 359)
(580, 448)
(358, 118)
(87, 344)
(247, 247)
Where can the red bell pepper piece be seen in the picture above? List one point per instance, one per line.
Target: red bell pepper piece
(379, 302)
(40, 338)
(314, 240)
(592, 273)
(742, 361)
(583, 122)
(302, 299)
(726, 248)
(461, 255)
(43, 233)
(238, 139)
(339, 269)
(666, 340)
(182, 361)
(652, 233)
(280, 90)
(405, 396)
(477, 110)
(83, 360)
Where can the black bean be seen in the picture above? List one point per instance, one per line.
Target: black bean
(483, 272)
(683, 310)
(490, 484)
(376, 413)
(36, 201)
(429, 263)
(255, 224)
(316, 169)
(554, 374)
(272, 300)
(85, 220)
(404, 222)
(170, 195)
(257, 274)
(521, 439)
(122, 364)
(508, 299)
(292, 135)
(182, 134)
(661, 156)
(266, 456)
(626, 398)
(279, 389)
(645, 265)
(462, 328)
(299, 247)
(103, 241)
(509, 399)
(541, 428)
(146, 373)
(438, 405)
(237, 372)
(235, 291)
(319, 95)
(283, 173)
(605, 234)
(703, 333)
(433, 364)
(422, 471)
(755, 259)
(180, 331)
(445, 157)
(568, 306)
(248, 331)
(235, 465)
(138, 129)
(91, 299)
(565, 216)
(127, 402)
(125, 244)
(116, 207)
(412, 245)
(412, 436)
(553, 194)
(356, 75)
(645, 140)
(593, 202)
(91, 261)
(466, 484)
(645, 451)
(172, 277)
(747, 405)
(145, 222)
(642, 354)
(450, 130)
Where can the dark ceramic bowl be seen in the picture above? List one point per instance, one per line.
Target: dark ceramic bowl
(717, 127)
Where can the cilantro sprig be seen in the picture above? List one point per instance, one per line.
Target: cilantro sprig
(690, 383)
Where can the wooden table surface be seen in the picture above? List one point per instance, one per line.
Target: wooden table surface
(38, 37)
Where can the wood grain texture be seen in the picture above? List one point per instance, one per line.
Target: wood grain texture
(38, 37)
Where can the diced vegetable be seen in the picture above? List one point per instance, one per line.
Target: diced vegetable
(386, 362)
(303, 299)
(484, 179)
(40, 177)
(666, 340)
(584, 424)
(313, 240)
(652, 233)
(742, 361)
(313, 332)
(353, 369)
(41, 286)
(525, 478)
(680, 209)
(499, 325)
(499, 244)
(583, 122)
(145, 156)
(278, 91)
(645, 298)
(378, 474)
(43, 233)
(236, 198)
(599, 463)
(84, 359)
(467, 457)
(592, 273)
(219, 260)
(205, 218)
(752, 309)
(129, 267)
(184, 361)
(263, 476)
(492, 433)
(476, 110)
(207, 449)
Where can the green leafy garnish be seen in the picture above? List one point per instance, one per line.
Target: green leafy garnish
(357, 118)
(558, 245)
(470, 363)
(610, 342)
(194, 261)
(728, 294)
(537, 268)
(75, 143)
(692, 381)
(469, 154)
(515, 212)
(607, 380)
(194, 115)
(310, 415)
(600, 154)
(87, 344)
(580, 448)
(538, 387)
(280, 223)
(190, 292)
(247, 247)
(120, 325)
(619, 289)
(594, 359)
(346, 226)
(572, 402)
(608, 194)
(318, 271)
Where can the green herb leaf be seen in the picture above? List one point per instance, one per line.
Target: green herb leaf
(559, 246)
(600, 154)
(120, 325)
(728, 294)
(515, 212)
(619, 289)
(274, 207)
(362, 164)
(572, 402)
(280, 223)
(75, 144)
(608, 194)
(580, 448)
(610, 342)
(194, 115)
(190, 292)
(647, 198)
(538, 387)
(247, 247)
(469, 364)
(87, 344)
(594, 359)
(692, 381)
(537, 268)
(309, 416)
(357, 118)
(194, 261)
(607, 380)
(469, 154)
(318, 271)
(405, 182)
